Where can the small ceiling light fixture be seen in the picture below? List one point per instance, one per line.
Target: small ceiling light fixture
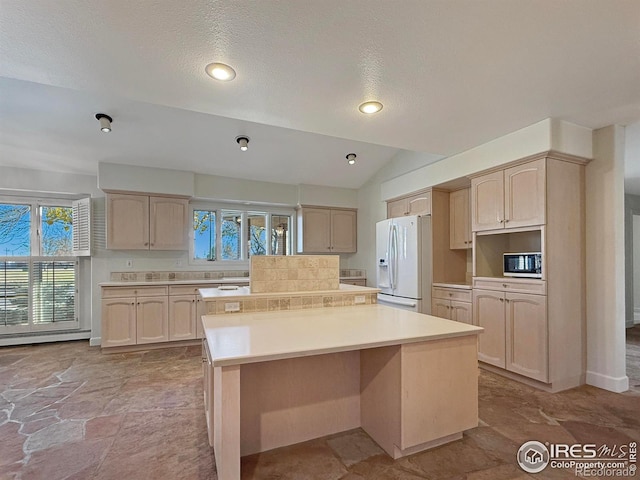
(370, 107)
(351, 158)
(243, 142)
(105, 122)
(220, 71)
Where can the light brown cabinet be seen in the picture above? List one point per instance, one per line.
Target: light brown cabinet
(182, 317)
(459, 220)
(132, 316)
(509, 198)
(152, 320)
(142, 222)
(452, 304)
(119, 322)
(515, 336)
(327, 230)
(415, 204)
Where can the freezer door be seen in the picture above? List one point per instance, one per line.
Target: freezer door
(406, 257)
(383, 275)
(401, 303)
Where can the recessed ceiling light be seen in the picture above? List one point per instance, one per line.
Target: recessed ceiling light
(351, 158)
(243, 141)
(370, 107)
(105, 122)
(220, 71)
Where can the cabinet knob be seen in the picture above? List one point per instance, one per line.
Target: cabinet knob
(505, 285)
(146, 244)
(502, 299)
(133, 303)
(450, 294)
(448, 307)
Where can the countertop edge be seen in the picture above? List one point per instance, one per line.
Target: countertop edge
(232, 361)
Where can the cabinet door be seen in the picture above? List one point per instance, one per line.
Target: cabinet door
(316, 230)
(461, 312)
(168, 223)
(397, 208)
(441, 308)
(182, 317)
(419, 204)
(526, 329)
(488, 312)
(487, 202)
(118, 322)
(152, 319)
(127, 222)
(343, 231)
(459, 220)
(524, 195)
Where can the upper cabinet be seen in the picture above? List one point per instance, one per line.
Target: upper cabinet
(327, 230)
(415, 204)
(459, 220)
(509, 198)
(142, 222)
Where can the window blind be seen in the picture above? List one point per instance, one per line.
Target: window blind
(14, 293)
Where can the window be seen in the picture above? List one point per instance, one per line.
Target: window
(234, 235)
(230, 235)
(38, 273)
(204, 235)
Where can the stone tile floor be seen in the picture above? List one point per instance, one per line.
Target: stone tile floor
(67, 411)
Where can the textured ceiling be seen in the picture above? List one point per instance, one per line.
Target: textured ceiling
(452, 74)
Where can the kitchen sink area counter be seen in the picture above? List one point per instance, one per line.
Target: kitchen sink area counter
(278, 378)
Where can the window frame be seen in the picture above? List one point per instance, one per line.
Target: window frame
(244, 210)
(35, 256)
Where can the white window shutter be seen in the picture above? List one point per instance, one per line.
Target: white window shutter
(82, 227)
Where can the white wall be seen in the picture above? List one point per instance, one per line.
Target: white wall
(327, 196)
(130, 178)
(530, 140)
(605, 266)
(636, 269)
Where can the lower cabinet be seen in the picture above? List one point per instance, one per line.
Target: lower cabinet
(152, 320)
(452, 304)
(515, 331)
(119, 322)
(152, 314)
(182, 312)
(134, 315)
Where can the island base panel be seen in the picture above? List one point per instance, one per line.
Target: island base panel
(419, 395)
(291, 401)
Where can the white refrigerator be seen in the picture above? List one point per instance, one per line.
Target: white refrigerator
(403, 257)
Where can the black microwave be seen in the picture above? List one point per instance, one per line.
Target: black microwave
(528, 265)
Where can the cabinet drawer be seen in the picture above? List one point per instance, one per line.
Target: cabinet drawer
(452, 294)
(538, 287)
(189, 289)
(117, 292)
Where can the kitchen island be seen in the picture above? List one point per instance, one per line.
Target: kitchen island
(277, 378)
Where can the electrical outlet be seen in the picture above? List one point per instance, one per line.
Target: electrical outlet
(129, 263)
(232, 307)
(359, 299)
(179, 262)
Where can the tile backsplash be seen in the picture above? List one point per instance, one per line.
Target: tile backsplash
(297, 273)
(293, 302)
(182, 275)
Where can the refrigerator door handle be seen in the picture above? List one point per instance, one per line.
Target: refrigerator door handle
(404, 303)
(394, 248)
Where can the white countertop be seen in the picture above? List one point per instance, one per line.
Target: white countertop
(241, 292)
(235, 339)
(151, 283)
(463, 286)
